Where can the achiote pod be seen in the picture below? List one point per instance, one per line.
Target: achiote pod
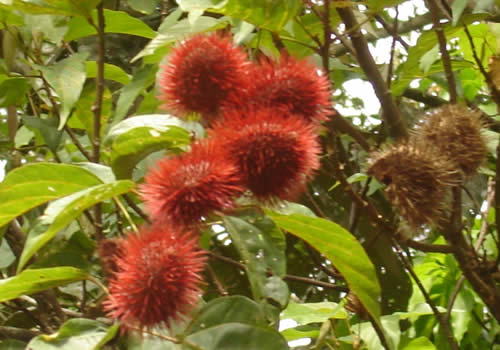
(456, 131)
(417, 178)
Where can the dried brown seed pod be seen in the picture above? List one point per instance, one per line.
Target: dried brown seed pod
(456, 131)
(416, 178)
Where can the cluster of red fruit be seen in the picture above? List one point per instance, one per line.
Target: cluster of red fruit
(262, 119)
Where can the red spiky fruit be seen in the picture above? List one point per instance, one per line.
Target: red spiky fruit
(293, 86)
(158, 278)
(181, 190)
(275, 153)
(202, 75)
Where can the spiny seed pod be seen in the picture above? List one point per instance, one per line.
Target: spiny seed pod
(202, 75)
(417, 178)
(158, 278)
(181, 190)
(275, 154)
(293, 86)
(456, 131)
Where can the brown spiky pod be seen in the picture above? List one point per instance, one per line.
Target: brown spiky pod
(456, 131)
(417, 178)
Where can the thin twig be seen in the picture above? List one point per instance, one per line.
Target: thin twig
(445, 55)
(393, 31)
(218, 285)
(428, 248)
(136, 208)
(393, 49)
(286, 277)
(495, 92)
(17, 333)
(479, 242)
(474, 270)
(97, 108)
(315, 283)
(445, 327)
(77, 143)
(390, 111)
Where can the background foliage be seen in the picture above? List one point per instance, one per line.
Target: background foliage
(78, 109)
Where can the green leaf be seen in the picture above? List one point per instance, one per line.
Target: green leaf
(428, 59)
(67, 78)
(6, 255)
(116, 22)
(131, 140)
(62, 211)
(229, 309)
(168, 34)
(300, 332)
(357, 178)
(270, 15)
(261, 246)
(111, 72)
(313, 312)
(420, 343)
(12, 344)
(230, 336)
(54, 7)
(342, 249)
(12, 91)
(390, 325)
(141, 79)
(77, 334)
(29, 186)
(34, 281)
(457, 8)
(103, 172)
(47, 128)
(144, 6)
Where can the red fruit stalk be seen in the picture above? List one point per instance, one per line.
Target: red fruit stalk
(275, 154)
(203, 75)
(158, 278)
(292, 86)
(183, 189)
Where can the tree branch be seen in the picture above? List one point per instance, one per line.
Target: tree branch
(476, 273)
(445, 56)
(390, 112)
(445, 326)
(17, 333)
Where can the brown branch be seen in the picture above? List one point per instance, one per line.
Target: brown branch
(97, 107)
(341, 124)
(476, 273)
(390, 112)
(315, 283)
(419, 96)
(445, 55)
(479, 242)
(77, 143)
(286, 277)
(136, 208)
(404, 27)
(445, 326)
(392, 31)
(428, 248)
(218, 285)
(17, 333)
